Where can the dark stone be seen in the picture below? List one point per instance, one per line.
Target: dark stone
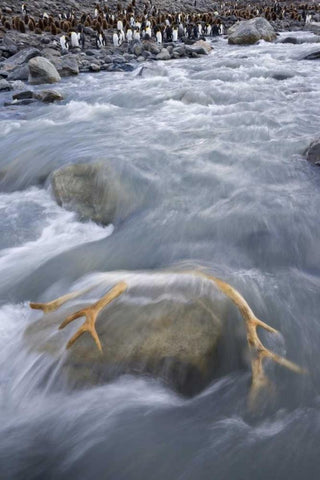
(48, 96)
(19, 73)
(23, 95)
(312, 56)
(313, 152)
(292, 40)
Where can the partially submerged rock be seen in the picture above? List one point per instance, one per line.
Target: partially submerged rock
(312, 56)
(313, 152)
(87, 190)
(42, 71)
(48, 96)
(248, 32)
(28, 96)
(98, 192)
(167, 324)
(169, 335)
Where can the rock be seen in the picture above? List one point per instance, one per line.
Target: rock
(169, 335)
(5, 86)
(151, 47)
(193, 50)
(292, 40)
(281, 76)
(85, 189)
(312, 56)
(97, 192)
(48, 96)
(179, 51)
(248, 32)
(23, 95)
(94, 67)
(136, 48)
(8, 47)
(20, 58)
(19, 73)
(42, 71)
(66, 65)
(313, 152)
(163, 55)
(203, 45)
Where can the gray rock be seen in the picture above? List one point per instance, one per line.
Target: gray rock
(23, 95)
(179, 51)
(163, 55)
(20, 58)
(151, 47)
(19, 73)
(5, 86)
(97, 192)
(42, 71)
(292, 40)
(313, 152)
(312, 56)
(85, 189)
(48, 96)
(94, 67)
(8, 47)
(66, 65)
(199, 50)
(248, 32)
(136, 48)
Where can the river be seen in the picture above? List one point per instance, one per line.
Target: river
(211, 154)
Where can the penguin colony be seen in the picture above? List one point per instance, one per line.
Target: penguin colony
(125, 24)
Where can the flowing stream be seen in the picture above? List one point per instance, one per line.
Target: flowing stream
(211, 153)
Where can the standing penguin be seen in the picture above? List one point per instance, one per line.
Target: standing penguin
(81, 37)
(175, 34)
(100, 40)
(159, 36)
(129, 35)
(115, 39)
(136, 34)
(64, 44)
(74, 40)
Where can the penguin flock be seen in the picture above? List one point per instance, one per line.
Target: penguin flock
(146, 21)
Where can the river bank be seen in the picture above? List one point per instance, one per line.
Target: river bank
(79, 37)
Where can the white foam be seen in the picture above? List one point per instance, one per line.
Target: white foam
(60, 230)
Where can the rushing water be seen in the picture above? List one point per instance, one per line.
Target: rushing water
(210, 153)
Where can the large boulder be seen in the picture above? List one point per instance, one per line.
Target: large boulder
(20, 58)
(42, 71)
(98, 192)
(66, 65)
(85, 189)
(165, 326)
(248, 32)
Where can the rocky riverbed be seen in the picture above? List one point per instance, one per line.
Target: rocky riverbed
(77, 36)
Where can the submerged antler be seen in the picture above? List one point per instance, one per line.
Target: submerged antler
(259, 378)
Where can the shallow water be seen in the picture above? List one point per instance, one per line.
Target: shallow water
(210, 152)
